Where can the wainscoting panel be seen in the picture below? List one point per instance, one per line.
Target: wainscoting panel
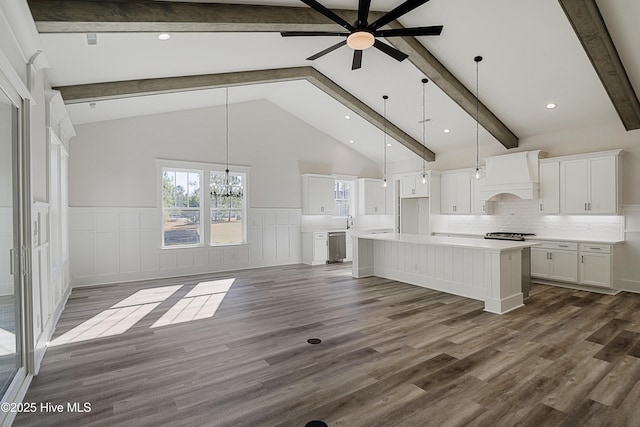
(110, 245)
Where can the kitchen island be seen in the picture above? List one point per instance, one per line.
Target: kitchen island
(486, 270)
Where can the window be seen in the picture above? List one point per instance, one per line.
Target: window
(227, 212)
(343, 194)
(191, 192)
(181, 207)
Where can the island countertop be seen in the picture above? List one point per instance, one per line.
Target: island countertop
(497, 245)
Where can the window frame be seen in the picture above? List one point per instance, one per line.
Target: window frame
(205, 170)
(353, 184)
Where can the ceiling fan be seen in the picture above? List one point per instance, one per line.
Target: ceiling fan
(362, 35)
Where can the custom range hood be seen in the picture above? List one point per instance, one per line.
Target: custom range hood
(515, 174)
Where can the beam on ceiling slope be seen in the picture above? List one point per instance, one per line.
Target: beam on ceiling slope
(587, 22)
(131, 88)
(60, 16)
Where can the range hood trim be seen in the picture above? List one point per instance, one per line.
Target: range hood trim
(515, 174)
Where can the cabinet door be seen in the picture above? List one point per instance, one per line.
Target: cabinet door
(540, 263)
(478, 205)
(448, 193)
(550, 188)
(575, 184)
(321, 195)
(320, 248)
(408, 186)
(602, 185)
(564, 266)
(463, 202)
(422, 189)
(595, 269)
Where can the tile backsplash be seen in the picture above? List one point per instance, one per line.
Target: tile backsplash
(517, 215)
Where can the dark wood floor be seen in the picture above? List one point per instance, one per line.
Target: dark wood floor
(391, 355)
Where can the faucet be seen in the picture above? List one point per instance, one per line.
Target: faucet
(349, 222)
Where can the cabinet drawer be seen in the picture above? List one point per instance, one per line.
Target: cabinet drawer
(565, 246)
(591, 247)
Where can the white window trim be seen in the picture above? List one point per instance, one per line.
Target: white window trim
(205, 200)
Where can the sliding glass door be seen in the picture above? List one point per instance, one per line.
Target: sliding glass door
(10, 298)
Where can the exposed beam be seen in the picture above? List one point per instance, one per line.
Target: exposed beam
(587, 22)
(132, 88)
(143, 16)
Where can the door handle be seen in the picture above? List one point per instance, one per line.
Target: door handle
(12, 262)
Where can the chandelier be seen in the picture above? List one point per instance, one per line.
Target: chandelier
(230, 188)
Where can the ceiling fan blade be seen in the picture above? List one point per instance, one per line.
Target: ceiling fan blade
(416, 31)
(391, 51)
(363, 12)
(405, 7)
(357, 60)
(310, 33)
(313, 4)
(327, 50)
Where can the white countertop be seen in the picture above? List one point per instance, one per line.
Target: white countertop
(499, 245)
(585, 239)
(354, 231)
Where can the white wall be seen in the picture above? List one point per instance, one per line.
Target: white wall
(113, 163)
(115, 225)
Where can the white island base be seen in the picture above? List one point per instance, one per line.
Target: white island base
(486, 270)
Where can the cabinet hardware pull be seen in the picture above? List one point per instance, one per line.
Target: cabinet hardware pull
(564, 246)
(11, 262)
(585, 206)
(540, 207)
(597, 249)
(589, 205)
(582, 260)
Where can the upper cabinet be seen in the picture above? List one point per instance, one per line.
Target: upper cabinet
(549, 202)
(455, 192)
(372, 197)
(590, 184)
(479, 204)
(412, 186)
(318, 196)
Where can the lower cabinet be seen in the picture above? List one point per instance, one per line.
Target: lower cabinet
(583, 264)
(595, 265)
(314, 248)
(550, 262)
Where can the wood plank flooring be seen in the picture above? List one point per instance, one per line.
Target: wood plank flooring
(391, 355)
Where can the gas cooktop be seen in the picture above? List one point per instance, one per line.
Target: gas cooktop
(507, 235)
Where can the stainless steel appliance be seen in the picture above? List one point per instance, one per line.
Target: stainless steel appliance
(526, 256)
(337, 246)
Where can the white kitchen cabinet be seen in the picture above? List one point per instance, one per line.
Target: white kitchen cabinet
(372, 197)
(555, 261)
(455, 193)
(595, 265)
(479, 206)
(590, 185)
(412, 186)
(314, 247)
(318, 196)
(549, 173)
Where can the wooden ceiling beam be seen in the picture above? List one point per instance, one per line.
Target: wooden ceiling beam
(61, 16)
(586, 20)
(131, 88)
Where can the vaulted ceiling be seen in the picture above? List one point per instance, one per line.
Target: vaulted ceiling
(579, 54)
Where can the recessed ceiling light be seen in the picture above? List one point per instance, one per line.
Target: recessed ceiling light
(447, 131)
(347, 117)
(164, 36)
(388, 144)
(351, 141)
(551, 106)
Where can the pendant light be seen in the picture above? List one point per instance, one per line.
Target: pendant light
(478, 173)
(228, 190)
(384, 181)
(424, 127)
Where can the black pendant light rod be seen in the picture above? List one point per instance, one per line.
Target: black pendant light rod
(385, 97)
(477, 59)
(424, 123)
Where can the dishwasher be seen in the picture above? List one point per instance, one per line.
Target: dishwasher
(337, 246)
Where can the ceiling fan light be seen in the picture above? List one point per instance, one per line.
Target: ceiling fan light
(360, 40)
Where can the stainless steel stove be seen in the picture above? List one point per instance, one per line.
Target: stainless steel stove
(506, 235)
